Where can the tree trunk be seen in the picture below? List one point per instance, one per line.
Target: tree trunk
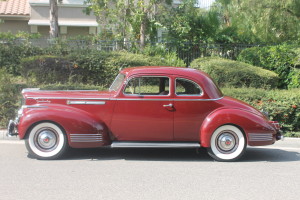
(143, 31)
(53, 19)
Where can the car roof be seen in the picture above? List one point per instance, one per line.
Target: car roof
(163, 70)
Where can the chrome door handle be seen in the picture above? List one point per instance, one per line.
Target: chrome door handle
(169, 105)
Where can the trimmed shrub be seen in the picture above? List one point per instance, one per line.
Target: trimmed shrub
(9, 97)
(11, 55)
(282, 105)
(96, 68)
(236, 74)
(280, 59)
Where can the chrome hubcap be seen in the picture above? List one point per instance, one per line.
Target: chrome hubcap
(46, 139)
(227, 142)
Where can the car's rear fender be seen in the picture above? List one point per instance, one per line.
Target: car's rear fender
(82, 129)
(258, 130)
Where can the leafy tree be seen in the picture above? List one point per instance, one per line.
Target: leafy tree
(269, 21)
(189, 23)
(131, 19)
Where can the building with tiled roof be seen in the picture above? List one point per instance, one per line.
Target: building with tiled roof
(33, 16)
(13, 8)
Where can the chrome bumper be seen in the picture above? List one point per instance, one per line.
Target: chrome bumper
(12, 129)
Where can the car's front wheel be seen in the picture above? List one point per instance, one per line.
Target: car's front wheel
(227, 143)
(46, 141)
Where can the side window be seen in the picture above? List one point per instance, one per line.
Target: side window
(148, 86)
(187, 87)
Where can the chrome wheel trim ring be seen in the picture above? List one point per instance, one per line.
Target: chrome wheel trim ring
(227, 141)
(46, 139)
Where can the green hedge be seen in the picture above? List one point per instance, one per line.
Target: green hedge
(282, 59)
(11, 55)
(282, 105)
(228, 73)
(9, 97)
(97, 68)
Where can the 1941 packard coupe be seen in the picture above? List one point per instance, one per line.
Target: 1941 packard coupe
(145, 107)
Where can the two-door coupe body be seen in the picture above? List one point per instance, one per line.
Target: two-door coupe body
(144, 107)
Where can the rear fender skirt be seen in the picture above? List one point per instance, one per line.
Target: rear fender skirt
(82, 129)
(257, 130)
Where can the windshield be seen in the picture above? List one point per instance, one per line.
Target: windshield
(117, 83)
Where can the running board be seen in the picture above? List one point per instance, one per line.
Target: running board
(118, 144)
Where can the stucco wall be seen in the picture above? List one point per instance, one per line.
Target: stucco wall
(71, 31)
(14, 26)
(64, 13)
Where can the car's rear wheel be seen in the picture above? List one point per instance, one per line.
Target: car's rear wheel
(227, 143)
(46, 141)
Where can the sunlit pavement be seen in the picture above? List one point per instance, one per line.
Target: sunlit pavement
(270, 172)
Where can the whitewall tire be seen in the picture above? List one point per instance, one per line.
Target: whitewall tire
(227, 143)
(46, 141)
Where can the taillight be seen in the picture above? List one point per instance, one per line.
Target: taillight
(275, 124)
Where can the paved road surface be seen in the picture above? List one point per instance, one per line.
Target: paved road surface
(263, 173)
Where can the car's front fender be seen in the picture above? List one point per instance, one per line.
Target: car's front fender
(81, 127)
(257, 130)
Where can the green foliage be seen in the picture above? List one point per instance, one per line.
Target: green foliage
(282, 105)
(71, 86)
(160, 50)
(187, 23)
(18, 35)
(235, 74)
(268, 21)
(11, 55)
(131, 19)
(280, 59)
(9, 97)
(93, 67)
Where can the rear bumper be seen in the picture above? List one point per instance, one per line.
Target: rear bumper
(12, 128)
(279, 135)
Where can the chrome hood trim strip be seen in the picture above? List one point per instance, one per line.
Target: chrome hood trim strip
(85, 102)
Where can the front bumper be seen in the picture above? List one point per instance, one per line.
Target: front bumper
(12, 129)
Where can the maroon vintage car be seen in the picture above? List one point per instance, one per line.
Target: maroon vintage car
(145, 107)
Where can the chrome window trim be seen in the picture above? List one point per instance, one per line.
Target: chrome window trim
(188, 95)
(137, 95)
(129, 99)
(115, 81)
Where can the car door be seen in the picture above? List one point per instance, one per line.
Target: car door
(144, 110)
(191, 109)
